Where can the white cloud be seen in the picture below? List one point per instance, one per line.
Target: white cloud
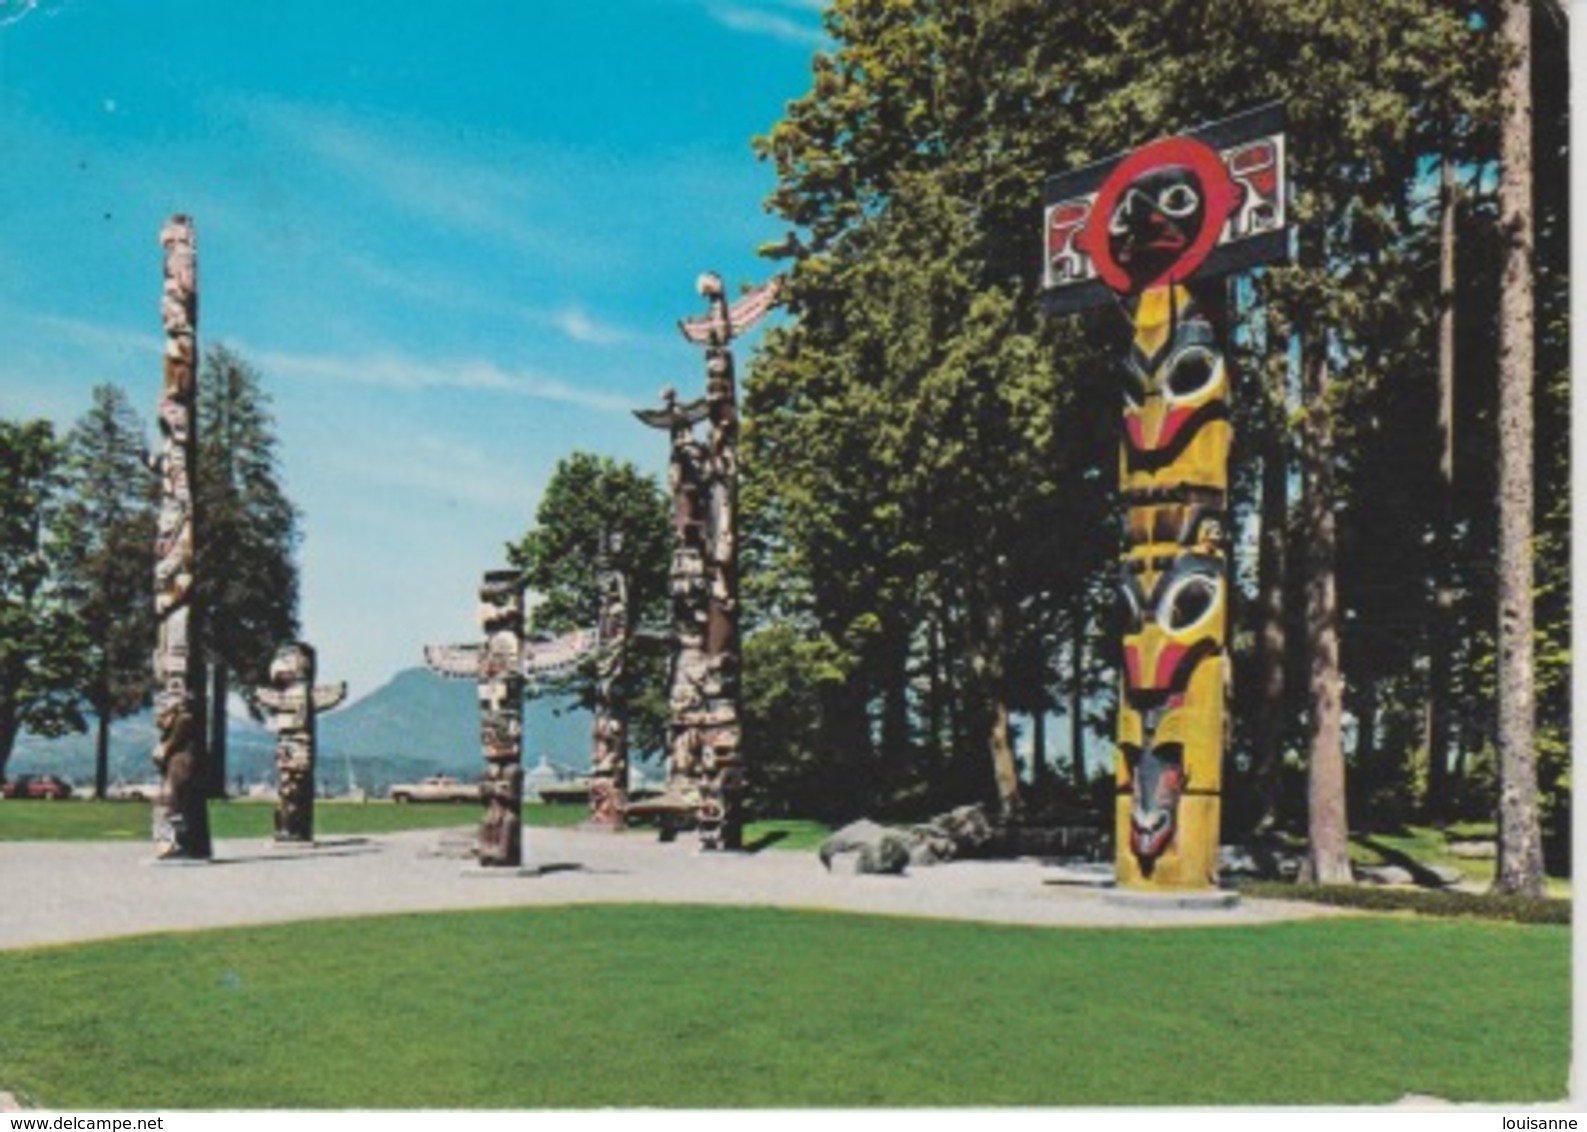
(755, 21)
(399, 371)
(421, 171)
(580, 327)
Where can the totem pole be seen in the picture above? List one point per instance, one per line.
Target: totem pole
(502, 667)
(704, 764)
(609, 759)
(1149, 230)
(688, 588)
(295, 702)
(501, 718)
(181, 816)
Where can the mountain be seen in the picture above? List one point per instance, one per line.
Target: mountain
(420, 723)
(414, 725)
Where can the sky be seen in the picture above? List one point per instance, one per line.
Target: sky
(455, 239)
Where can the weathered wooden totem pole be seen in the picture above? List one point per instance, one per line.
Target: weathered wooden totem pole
(294, 703)
(181, 815)
(501, 685)
(704, 760)
(1156, 230)
(609, 758)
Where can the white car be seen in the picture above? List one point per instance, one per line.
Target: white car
(436, 788)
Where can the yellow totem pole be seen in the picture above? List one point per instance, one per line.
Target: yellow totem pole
(1137, 231)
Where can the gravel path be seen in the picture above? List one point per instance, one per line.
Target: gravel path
(59, 892)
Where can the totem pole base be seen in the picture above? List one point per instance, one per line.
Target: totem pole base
(500, 872)
(177, 861)
(1190, 899)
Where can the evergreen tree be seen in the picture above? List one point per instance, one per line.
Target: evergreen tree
(587, 498)
(104, 533)
(247, 572)
(42, 646)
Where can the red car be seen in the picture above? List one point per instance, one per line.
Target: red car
(37, 786)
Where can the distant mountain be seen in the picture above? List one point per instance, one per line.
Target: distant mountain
(420, 724)
(417, 724)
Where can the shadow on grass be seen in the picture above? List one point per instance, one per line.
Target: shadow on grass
(765, 840)
(1421, 875)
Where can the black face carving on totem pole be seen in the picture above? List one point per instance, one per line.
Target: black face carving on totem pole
(1159, 216)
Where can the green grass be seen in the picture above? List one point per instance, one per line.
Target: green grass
(743, 1007)
(32, 820)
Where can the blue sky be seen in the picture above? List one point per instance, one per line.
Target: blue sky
(454, 238)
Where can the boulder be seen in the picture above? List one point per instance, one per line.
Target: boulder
(865, 847)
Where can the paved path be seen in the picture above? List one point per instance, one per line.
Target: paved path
(59, 892)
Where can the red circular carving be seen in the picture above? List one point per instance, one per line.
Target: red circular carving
(1219, 197)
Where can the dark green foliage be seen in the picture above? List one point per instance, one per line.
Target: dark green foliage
(929, 464)
(247, 571)
(1485, 906)
(104, 533)
(587, 498)
(43, 649)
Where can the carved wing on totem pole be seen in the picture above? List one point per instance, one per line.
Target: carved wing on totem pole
(559, 655)
(673, 414)
(329, 696)
(455, 662)
(540, 658)
(750, 308)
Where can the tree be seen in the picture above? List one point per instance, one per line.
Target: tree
(247, 574)
(1520, 866)
(104, 532)
(587, 498)
(42, 648)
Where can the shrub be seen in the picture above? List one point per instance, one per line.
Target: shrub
(1486, 906)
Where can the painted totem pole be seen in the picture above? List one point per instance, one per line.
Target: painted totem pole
(705, 764)
(1156, 230)
(181, 816)
(501, 684)
(295, 702)
(502, 667)
(609, 757)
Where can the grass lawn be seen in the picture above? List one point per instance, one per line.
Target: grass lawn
(83, 820)
(745, 1007)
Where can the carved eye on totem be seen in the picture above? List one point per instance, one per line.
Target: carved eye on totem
(1192, 374)
(1189, 601)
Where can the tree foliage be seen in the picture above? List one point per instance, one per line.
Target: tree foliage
(103, 533)
(42, 646)
(248, 536)
(588, 499)
(929, 463)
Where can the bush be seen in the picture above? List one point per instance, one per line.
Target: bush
(1517, 909)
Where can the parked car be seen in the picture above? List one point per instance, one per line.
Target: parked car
(436, 788)
(37, 786)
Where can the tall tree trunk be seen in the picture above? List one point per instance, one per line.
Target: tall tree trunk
(989, 707)
(1038, 743)
(1077, 694)
(1271, 643)
(1520, 867)
(1440, 645)
(1328, 860)
(220, 690)
(8, 724)
(101, 750)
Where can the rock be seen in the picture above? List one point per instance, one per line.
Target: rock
(1257, 862)
(866, 847)
(1445, 875)
(881, 849)
(1473, 850)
